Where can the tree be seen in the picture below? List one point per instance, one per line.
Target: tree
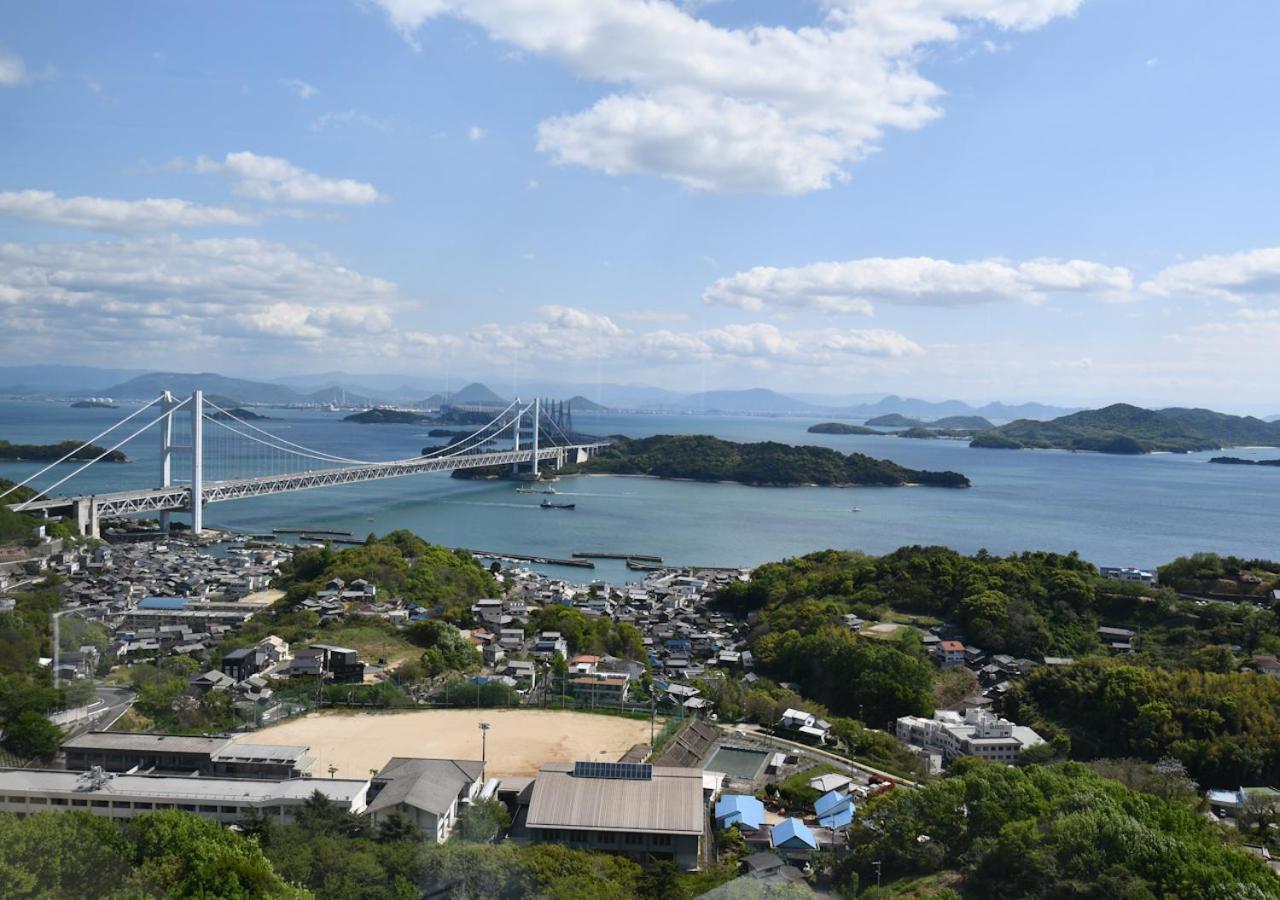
(482, 821)
(1260, 811)
(31, 735)
(398, 827)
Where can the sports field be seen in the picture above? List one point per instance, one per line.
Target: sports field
(519, 741)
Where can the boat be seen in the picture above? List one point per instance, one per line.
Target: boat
(529, 490)
(547, 504)
(856, 509)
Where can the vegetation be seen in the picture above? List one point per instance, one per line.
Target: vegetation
(1224, 727)
(1209, 574)
(1237, 461)
(165, 854)
(1124, 429)
(599, 635)
(962, 422)
(383, 416)
(839, 428)
(705, 458)
(1049, 832)
(164, 701)
(50, 452)
(894, 420)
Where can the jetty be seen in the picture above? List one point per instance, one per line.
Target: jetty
(639, 557)
(312, 531)
(524, 557)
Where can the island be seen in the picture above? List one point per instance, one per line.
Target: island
(840, 428)
(930, 433)
(894, 420)
(706, 458)
(239, 412)
(1129, 430)
(974, 423)
(1237, 461)
(94, 404)
(49, 452)
(381, 415)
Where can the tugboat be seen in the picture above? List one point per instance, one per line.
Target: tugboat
(547, 504)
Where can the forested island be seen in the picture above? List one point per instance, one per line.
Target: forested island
(50, 452)
(894, 420)
(239, 412)
(1237, 461)
(94, 404)
(840, 428)
(383, 416)
(706, 458)
(1130, 430)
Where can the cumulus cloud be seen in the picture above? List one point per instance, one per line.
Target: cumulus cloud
(850, 287)
(144, 292)
(12, 70)
(301, 88)
(568, 334)
(475, 133)
(272, 178)
(1238, 277)
(121, 216)
(770, 109)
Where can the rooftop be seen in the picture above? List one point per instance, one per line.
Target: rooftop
(670, 802)
(429, 784)
(165, 787)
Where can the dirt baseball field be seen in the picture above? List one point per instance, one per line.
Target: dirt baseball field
(518, 741)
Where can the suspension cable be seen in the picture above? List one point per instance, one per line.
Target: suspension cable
(26, 503)
(87, 443)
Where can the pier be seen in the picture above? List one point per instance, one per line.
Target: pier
(639, 557)
(522, 557)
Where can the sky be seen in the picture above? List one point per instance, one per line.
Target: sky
(1069, 201)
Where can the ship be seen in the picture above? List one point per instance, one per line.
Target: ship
(547, 504)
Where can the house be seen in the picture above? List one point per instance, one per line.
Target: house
(832, 781)
(241, 663)
(583, 664)
(341, 663)
(806, 725)
(1267, 665)
(1127, 573)
(742, 810)
(834, 809)
(511, 638)
(428, 792)
(550, 643)
(523, 671)
(493, 655)
(632, 809)
(307, 662)
(794, 838)
(951, 654)
(213, 680)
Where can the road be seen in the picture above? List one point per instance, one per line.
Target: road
(762, 734)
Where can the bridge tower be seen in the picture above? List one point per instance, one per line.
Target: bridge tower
(195, 406)
(537, 427)
(515, 435)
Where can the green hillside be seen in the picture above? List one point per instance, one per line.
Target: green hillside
(839, 428)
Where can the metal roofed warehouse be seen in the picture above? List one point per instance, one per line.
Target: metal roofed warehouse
(638, 811)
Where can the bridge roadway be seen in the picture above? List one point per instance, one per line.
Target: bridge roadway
(88, 508)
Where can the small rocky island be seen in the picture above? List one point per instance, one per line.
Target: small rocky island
(239, 412)
(381, 415)
(93, 403)
(840, 428)
(1237, 461)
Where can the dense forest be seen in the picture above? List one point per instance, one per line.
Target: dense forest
(840, 428)
(705, 458)
(51, 452)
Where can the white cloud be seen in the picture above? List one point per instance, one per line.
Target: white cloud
(1238, 277)
(347, 118)
(771, 109)
(272, 178)
(475, 133)
(851, 287)
(108, 214)
(12, 70)
(153, 295)
(301, 88)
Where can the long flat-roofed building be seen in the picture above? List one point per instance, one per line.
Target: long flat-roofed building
(225, 800)
(185, 754)
(632, 809)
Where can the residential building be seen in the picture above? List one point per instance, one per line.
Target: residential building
(793, 838)
(428, 792)
(633, 809)
(602, 688)
(805, 725)
(1128, 573)
(742, 810)
(834, 809)
(243, 662)
(951, 654)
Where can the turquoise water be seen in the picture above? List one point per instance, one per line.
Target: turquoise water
(1115, 510)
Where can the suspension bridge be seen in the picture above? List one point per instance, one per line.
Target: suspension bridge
(209, 455)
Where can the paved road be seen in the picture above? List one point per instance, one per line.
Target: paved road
(762, 734)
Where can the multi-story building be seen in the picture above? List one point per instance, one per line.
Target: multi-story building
(428, 792)
(184, 754)
(977, 733)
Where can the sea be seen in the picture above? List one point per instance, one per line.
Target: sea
(1115, 510)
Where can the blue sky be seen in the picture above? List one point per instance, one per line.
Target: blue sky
(1063, 200)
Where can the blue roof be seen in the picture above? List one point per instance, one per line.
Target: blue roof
(830, 802)
(840, 819)
(742, 810)
(163, 603)
(792, 834)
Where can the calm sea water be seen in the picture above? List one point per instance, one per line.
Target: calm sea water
(1115, 510)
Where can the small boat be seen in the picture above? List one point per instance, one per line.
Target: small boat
(529, 490)
(856, 509)
(547, 504)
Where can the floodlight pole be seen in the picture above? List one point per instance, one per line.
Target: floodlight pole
(484, 736)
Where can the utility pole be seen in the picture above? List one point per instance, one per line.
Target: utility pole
(876, 863)
(484, 739)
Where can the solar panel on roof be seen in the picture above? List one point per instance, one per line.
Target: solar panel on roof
(622, 771)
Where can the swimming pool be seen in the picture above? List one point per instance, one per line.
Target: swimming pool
(737, 762)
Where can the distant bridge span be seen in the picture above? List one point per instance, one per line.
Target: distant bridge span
(89, 508)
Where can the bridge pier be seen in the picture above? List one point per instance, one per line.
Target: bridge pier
(87, 517)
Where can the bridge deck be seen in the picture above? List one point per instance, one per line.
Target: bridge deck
(178, 497)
